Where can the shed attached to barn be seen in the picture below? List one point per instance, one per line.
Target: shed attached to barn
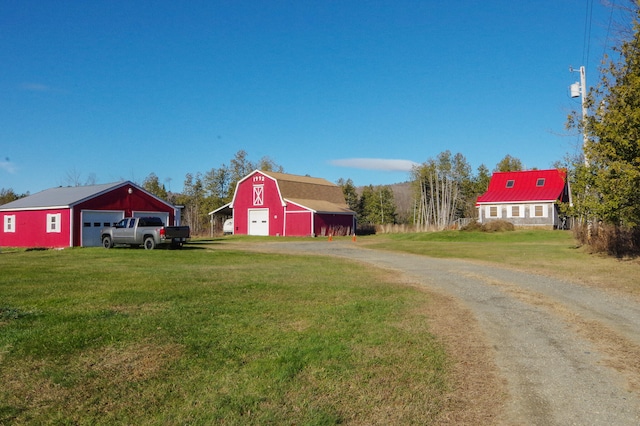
(526, 198)
(73, 216)
(280, 204)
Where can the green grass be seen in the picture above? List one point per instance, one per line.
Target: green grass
(198, 336)
(501, 247)
(548, 252)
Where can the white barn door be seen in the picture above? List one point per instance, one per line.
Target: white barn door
(259, 222)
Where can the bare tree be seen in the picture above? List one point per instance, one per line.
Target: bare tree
(439, 200)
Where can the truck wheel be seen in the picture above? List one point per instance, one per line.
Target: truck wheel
(149, 243)
(106, 242)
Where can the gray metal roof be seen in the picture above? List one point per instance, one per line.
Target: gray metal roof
(63, 196)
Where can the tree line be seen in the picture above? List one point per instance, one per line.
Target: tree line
(442, 190)
(606, 178)
(205, 192)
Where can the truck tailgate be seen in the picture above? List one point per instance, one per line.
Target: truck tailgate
(171, 232)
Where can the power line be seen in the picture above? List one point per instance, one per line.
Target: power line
(587, 32)
(606, 39)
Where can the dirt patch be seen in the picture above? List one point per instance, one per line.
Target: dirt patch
(478, 393)
(87, 383)
(125, 365)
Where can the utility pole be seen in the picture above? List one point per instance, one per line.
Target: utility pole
(579, 90)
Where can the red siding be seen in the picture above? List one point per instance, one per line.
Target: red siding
(334, 224)
(119, 199)
(31, 229)
(31, 225)
(248, 197)
(299, 224)
(260, 191)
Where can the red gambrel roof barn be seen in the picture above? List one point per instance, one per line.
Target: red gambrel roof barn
(73, 216)
(525, 198)
(280, 204)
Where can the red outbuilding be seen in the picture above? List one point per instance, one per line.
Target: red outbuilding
(73, 216)
(280, 204)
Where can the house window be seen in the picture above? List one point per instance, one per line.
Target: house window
(258, 195)
(538, 211)
(510, 183)
(10, 223)
(515, 211)
(540, 182)
(493, 211)
(53, 222)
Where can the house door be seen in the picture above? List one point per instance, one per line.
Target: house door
(259, 222)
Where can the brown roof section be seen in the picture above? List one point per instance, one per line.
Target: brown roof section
(322, 206)
(315, 193)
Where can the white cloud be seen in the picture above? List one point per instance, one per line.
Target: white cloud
(8, 166)
(35, 87)
(39, 87)
(385, 164)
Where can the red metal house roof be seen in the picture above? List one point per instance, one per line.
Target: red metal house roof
(526, 186)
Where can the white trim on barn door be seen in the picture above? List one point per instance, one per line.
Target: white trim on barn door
(258, 222)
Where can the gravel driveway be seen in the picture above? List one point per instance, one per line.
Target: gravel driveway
(569, 354)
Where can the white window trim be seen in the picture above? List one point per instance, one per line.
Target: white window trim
(510, 210)
(258, 195)
(10, 223)
(54, 219)
(498, 211)
(545, 210)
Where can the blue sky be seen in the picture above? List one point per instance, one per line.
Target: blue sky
(120, 89)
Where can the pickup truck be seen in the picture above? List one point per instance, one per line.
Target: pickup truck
(149, 232)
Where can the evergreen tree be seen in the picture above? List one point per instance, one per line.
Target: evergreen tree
(266, 164)
(376, 205)
(611, 177)
(217, 184)
(239, 167)
(152, 184)
(350, 193)
(8, 195)
(509, 164)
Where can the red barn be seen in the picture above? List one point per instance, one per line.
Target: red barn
(279, 204)
(526, 198)
(73, 216)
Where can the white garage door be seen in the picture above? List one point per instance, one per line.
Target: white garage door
(92, 221)
(259, 222)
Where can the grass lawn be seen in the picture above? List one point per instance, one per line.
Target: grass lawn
(548, 252)
(200, 336)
